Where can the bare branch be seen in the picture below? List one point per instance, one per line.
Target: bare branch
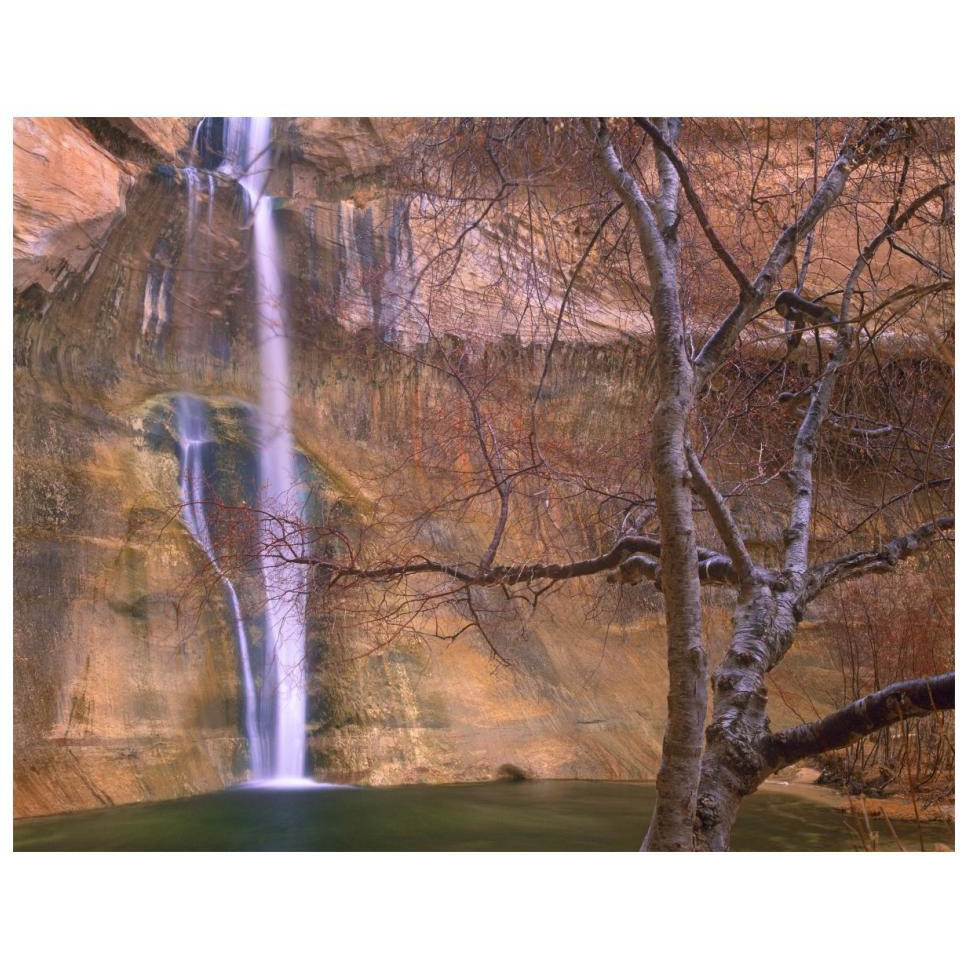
(714, 567)
(909, 698)
(882, 560)
(652, 242)
(868, 433)
(722, 517)
(800, 475)
(874, 139)
(566, 297)
(718, 248)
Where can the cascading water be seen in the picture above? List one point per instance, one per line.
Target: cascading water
(191, 416)
(276, 720)
(248, 153)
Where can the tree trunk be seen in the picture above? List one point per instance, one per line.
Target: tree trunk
(765, 621)
(672, 825)
(678, 777)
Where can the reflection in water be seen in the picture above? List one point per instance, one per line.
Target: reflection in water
(544, 815)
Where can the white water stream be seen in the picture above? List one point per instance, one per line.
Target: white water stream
(281, 494)
(192, 429)
(276, 720)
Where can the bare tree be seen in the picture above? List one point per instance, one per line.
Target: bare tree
(698, 796)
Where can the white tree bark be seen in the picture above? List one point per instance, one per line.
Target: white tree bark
(737, 758)
(699, 790)
(672, 825)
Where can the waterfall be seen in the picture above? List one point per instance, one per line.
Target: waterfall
(192, 177)
(193, 189)
(211, 196)
(191, 416)
(275, 721)
(248, 153)
(195, 143)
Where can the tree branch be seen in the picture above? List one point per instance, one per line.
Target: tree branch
(718, 248)
(909, 698)
(652, 242)
(883, 560)
(721, 516)
(796, 536)
(554, 340)
(874, 139)
(714, 567)
(800, 476)
(666, 205)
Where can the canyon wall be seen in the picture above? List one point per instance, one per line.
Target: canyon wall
(132, 285)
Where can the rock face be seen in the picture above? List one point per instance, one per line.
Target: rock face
(132, 284)
(69, 192)
(166, 135)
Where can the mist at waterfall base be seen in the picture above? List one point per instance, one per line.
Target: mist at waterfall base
(274, 715)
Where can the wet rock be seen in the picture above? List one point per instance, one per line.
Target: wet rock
(509, 771)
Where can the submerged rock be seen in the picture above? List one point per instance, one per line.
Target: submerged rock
(508, 771)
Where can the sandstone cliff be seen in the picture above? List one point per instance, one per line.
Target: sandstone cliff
(131, 286)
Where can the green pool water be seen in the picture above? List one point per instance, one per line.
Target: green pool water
(531, 815)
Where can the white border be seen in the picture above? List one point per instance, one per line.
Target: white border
(495, 57)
